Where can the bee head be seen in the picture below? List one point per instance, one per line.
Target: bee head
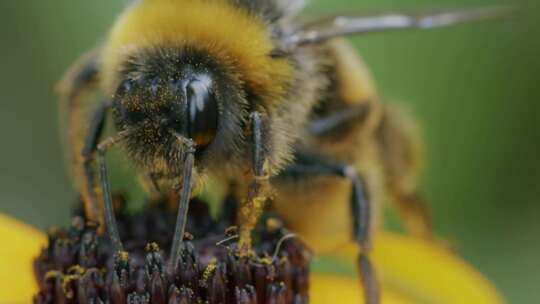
(170, 93)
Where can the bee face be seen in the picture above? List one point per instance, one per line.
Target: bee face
(172, 93)
(185, 106)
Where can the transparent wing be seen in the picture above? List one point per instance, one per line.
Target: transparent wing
(129, 2)
(272, 9)
(331, 27)
(292, 7)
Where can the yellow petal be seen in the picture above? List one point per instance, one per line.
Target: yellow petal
(20, 245)
(417, 271)
(327, 288)
(431, 273)
(411, 271)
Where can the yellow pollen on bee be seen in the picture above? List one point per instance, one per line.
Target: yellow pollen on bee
(208, 271)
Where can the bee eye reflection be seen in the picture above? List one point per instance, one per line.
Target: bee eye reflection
(202, 113)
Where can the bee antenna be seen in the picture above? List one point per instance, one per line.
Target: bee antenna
(185, 195)
(280, 244)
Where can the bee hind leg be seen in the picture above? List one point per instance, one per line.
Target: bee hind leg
(401, 147)
(308, 165)
(361, 215)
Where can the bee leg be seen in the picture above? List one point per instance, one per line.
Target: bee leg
(110, 220)
(415, 214)
(80, 79)
(95, 131)
(329, 123)
(256, 198)
(399, 145)
(308, 165)
(402, 154)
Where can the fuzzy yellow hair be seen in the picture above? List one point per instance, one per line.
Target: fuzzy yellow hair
(228, 33)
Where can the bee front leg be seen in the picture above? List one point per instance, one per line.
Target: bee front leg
(82, 78)
(92, 151)
(258, 189)
(309, 166)
(110, 220)
(95, 131)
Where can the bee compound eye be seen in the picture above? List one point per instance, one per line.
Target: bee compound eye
(202, 113)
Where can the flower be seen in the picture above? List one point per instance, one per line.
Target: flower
(410, 270)
(21, 244)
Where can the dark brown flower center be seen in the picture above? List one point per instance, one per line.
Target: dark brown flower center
(80, 266)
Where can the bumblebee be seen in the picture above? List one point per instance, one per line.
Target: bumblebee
(240, 93)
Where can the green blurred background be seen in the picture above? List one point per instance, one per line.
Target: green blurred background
(474, 89)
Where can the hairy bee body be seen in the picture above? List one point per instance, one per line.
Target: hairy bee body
(143, 55)
(169, 30)
(382, 144)
(239, 93)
